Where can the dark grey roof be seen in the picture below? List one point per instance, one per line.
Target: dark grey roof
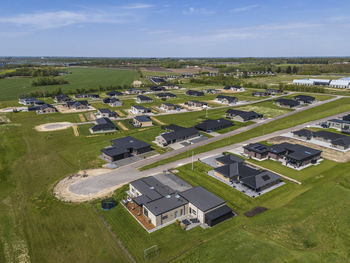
(114, 151)
(344, 141)
(328, 135)
(139, 107)
(194, 93)
(165, 204)
(245, 115)
(104, 124)
(339, 121)
(257, 147)
(229, 158)
(304, 98)
(143, 118)
(197, 102)
(179, 134)
(141, 200)
(218, 212)
(228, 98)
(129, 143)
(166, 94)
(304, 133)
(105, 110)
(236, 169)
(260, 180)
(214, 124)
(288, 102)
(169, 104)
(202, 198)
(114, 93)
(300, 152)
(144, 98)
(152, 188)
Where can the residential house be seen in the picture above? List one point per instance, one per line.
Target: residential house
(242, 116)
(342, 125)
(125, 147)
(46, 108)
(196, 104)
(226, 99)
(165, 95)
(106, 113)
(62, 98)
(136, 110)
(213, 125)
(114, 102)
(103, 125)
(142, 121)
(256, 150)
(213, 91)
(143, 99)
(86, 96)
(259, 94)
(169, 107)
(176, 134)
(303, 134)
(135, 91)
(194, 93)
(273, 91)
(287, 103)
(114, 94)
(30, 101)
(156, 88)
(78, 105)
(304, 99)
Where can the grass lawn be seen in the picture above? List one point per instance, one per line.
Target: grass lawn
(81, 78)
(318, 97)
(315, 113)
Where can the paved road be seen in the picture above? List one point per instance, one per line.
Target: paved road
(129, 173)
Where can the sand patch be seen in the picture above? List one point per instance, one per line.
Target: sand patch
(82, 118)
(121, 125)
(157, 121)
(75, 130)
(54, 126)
(120, 113)
(61, 190)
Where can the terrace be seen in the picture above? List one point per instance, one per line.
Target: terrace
(137, 212)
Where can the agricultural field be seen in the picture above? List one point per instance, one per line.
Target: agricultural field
(78, 78)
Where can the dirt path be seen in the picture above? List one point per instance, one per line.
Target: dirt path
(327, 153)
(75, 130)
(121, 125)
(82, 118)
(157, 121)
(120, 113)
(54, 126)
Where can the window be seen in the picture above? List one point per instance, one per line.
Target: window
(145, 212)
(132, 190)
(194, 212)
(164, 217)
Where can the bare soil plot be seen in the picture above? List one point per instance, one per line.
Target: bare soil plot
(157, 121)
(90, 116)
(122, 126)
(255, 211)
(326, 152)
(82, 118)
(54, 126)
(120, 113)
(63, 109)
(75, 130)
(4, 119)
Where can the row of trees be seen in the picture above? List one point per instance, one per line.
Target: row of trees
(288, 87)
(46, 81)
(32, 72)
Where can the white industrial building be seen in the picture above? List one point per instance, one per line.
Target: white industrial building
(340, 83)
(311, 82)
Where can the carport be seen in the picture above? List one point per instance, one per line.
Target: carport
(218, 215)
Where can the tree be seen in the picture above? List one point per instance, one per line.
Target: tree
(278, 70)
(289, 70)
(295, 70)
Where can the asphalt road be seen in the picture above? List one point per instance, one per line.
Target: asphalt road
(129, 173)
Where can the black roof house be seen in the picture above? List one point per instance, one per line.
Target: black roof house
(257, 147)
(244, 115)
(228, 99)
(103, 125)
(202, 198)
(179, 134)
(229, 158)
(260, 180)
(194, 93)
(287, 102)
(142, 98)
(304, 133)
(114, 93)
(305, 98)
(213, 125)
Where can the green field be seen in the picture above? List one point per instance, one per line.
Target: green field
(81, 78)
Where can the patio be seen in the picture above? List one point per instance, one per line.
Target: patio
(137, 212)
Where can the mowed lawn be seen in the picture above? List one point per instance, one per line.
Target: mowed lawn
(80, 78)
(304, 223)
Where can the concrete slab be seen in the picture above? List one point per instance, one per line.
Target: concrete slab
(173, 181)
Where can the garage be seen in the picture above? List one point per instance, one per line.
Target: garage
(218, 215)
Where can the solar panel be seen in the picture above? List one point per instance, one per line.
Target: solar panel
(265, 177)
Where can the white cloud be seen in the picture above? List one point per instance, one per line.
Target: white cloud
(46, 20)
(138, 6)
(244, 9)
(200, 11)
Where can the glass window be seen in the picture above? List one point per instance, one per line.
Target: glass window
(164, 217)
(194, 212)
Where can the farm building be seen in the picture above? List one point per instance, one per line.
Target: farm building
(311, 82)
(340, 83)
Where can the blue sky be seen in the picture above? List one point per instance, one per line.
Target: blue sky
(221, 28)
